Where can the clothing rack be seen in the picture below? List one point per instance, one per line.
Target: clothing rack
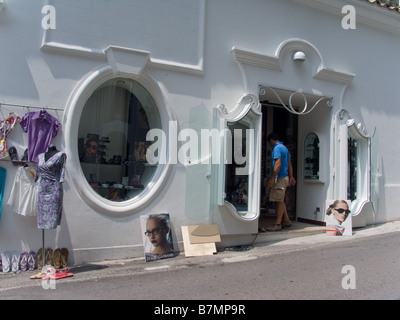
(38, 108)
(19, 161)
(30, 107)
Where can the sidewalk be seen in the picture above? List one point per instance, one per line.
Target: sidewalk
(265, 245)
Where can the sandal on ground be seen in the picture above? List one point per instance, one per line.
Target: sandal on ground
(6, 261)
(57, 258)
(15, 256)
(49, 257)
(261, 230)
(31, 260)
(24, 261)
(39, 259)
(64, 257)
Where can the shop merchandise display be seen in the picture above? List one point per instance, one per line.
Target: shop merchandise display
(41, 128)
(23, 196)
(13, 153)
(50, 172)
(35, 192)
(55, 274)
(60, 258)
(6, 261)
(56, 264)
(6, 126)
(16, 262)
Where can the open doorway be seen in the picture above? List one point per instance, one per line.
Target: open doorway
(285, 124)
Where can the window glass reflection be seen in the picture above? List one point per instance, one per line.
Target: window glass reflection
(311, 157)
(112, 139)
(353, 159)
(237, 181)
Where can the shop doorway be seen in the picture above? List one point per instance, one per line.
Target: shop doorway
(277, 119)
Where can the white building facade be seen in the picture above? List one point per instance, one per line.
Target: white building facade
(179, 96)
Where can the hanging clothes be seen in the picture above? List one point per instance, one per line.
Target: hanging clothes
(6, 126)
(41, 127)
(23, 196)
(50, 176)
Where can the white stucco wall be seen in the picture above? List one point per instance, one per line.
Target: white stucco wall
(190, 73)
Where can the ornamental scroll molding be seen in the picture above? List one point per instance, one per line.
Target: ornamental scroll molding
(357, 128)
(248, 103)
(304, 109)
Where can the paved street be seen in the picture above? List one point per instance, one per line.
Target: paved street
(361, 267)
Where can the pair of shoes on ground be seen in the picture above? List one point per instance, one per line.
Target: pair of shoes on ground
(60, 258)
(50, 272)
(53, 262)
(276, 227)
(16, 262)
(28, 261)
(57, 258)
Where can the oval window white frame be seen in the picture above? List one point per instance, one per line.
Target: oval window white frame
(71, 123)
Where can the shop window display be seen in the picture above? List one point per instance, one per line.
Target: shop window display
(353, 160)
(311, 157)
(112, 139)
(237, 185)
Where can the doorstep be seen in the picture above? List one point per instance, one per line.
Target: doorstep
(298, 229)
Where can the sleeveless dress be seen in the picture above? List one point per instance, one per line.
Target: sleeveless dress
(50, 175)
(23, 196)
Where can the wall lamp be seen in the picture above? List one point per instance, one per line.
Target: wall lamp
(2, 4)
(299, 56)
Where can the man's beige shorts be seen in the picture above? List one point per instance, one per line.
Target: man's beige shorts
(277, 193)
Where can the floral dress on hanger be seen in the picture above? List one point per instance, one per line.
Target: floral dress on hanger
(50, 175)
(6, 126)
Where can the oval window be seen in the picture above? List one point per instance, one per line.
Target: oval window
(112, 139)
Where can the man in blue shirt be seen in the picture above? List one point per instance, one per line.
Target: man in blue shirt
(281, 178)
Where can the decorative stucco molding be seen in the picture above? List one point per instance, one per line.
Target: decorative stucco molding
(51, 43)
(125, 60)
(248, 102)
(320, 71)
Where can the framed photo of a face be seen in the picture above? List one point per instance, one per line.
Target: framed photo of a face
(338, 218)
(157, 237)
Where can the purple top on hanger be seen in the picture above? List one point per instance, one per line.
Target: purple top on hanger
(41, 128)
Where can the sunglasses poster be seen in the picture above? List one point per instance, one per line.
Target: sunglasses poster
(338, 218)
(157, 237)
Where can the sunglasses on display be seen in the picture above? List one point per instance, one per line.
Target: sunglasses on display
(347, 211)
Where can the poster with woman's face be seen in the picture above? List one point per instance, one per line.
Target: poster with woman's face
(338, 218)
(157, 237)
